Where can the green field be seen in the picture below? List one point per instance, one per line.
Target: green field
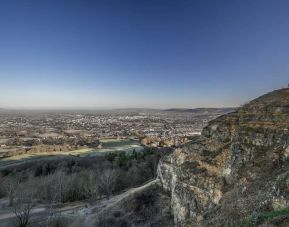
(108, 145)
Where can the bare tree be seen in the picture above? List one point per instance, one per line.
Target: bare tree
(107, 181)
(90, 185)
(10, 186)
(61, 186)
(23, 204)
(2, 190)
(53, 199)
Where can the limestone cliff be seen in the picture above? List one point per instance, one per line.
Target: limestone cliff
(238, 168)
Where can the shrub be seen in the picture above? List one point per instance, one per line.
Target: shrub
(262, 217)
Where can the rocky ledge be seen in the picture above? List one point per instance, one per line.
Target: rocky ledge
(236, 171)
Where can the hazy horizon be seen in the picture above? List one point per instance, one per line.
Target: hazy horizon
(141, 54)
(106, 109)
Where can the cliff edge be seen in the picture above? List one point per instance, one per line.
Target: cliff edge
(237, 171)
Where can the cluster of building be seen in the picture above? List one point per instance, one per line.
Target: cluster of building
(23, 130)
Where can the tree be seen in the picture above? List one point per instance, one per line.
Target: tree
(53, 197)
(107, 181)
(61, 186)
(89, 184)
(110, 156)
(10, 186)
(23, 204)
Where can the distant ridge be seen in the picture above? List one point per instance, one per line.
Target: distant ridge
(197, 111)
(136, 110)
(201, 111)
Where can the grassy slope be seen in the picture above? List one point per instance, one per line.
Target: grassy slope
(109, 146)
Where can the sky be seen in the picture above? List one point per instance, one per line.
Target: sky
(141, 54)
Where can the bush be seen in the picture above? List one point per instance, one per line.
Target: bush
(258, 218)
(72, 179)
(108, 220)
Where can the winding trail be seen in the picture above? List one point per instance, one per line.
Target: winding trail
(77, 209)
(106, 205)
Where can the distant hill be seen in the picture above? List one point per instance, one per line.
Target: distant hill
(137, 110)
(200, 111)
(197, 111)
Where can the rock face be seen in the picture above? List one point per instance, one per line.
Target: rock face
(237, 168)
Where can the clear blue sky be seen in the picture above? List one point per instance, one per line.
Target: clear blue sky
(141, 53)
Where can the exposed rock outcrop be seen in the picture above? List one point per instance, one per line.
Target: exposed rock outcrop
(238, 167)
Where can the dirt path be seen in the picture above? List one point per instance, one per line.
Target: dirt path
(40, 213)
(112, 202)
(77, 209)
(106, 205)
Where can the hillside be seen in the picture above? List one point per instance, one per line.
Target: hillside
(202, 111)
(237, 171)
